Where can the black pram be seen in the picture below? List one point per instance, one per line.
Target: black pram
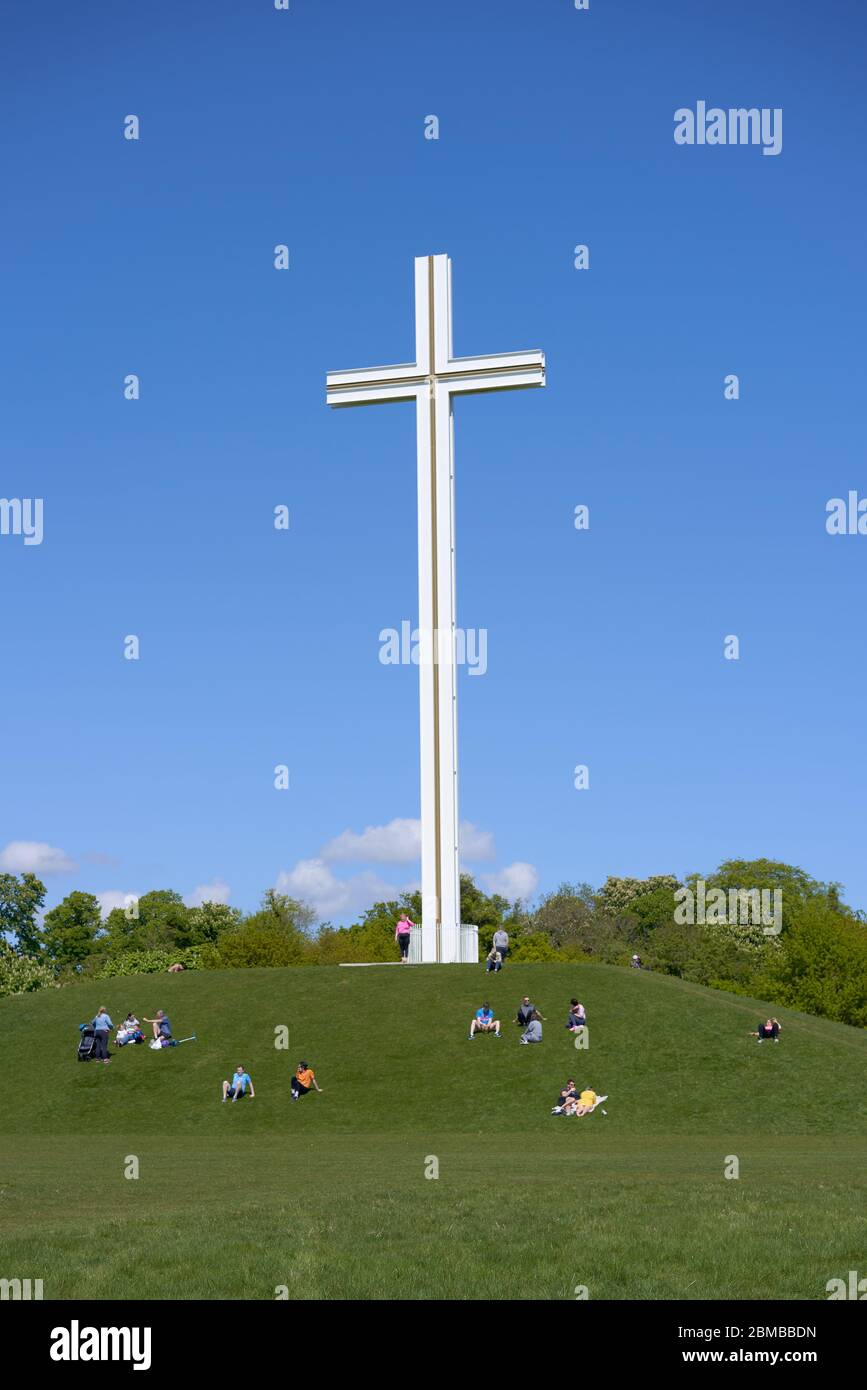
(86, 1044)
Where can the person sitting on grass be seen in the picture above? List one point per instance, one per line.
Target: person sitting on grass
(769, 1031)
(129, 1031)
(303, 1081)
(484, 1022)
(533, 1031)
(577, 1017)
(568, 1093)
(238, 1086)
(493, 961)
(525, 1011)
(161, 1026)
(581, 1104)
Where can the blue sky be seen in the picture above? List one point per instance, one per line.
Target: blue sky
(260, 647)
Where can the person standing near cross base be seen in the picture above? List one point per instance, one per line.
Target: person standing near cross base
(501, 943)
(403, 936)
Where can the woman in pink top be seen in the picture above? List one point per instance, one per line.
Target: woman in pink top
(401, 936)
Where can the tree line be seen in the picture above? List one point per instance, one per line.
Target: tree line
(816, 962)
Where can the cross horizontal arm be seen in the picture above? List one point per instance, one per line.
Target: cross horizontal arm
(507, 371)
(365, 387)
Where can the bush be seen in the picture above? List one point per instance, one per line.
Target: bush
(147, 962)
(258, 943)
(533, 946)
(22, 974)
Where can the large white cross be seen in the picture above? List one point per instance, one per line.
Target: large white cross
(432, 381)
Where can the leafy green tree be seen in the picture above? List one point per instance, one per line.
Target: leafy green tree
(620, 895)
(20, 904)
(163, 920)
(567, 917)
(70, 929)
(278, 934)
(652, 910)
(22, 974)
(210, 920)
(821, 964)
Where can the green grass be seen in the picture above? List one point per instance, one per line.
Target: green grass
(328, 1196)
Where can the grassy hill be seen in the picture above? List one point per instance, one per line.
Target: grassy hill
(329, 1197)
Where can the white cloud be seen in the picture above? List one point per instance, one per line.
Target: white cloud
(518, 880)
(476, 843)
(314, 882)
(399, 842)
(111, 899)
(216, 892)
(35, 857)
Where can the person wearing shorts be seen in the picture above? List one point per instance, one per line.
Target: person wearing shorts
(304, 1081)
(239, 1085)
(484, 1022)
(161, 1026)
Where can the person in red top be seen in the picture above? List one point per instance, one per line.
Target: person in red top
(303, 1081)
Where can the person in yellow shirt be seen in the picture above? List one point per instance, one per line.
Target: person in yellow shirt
(581, 1104)
(586, 1102)
(303, 1081)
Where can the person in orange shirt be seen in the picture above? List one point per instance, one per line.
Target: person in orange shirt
(303, 1081)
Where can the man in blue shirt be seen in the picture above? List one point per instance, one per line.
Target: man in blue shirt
(239, 1085)
(484, 1022)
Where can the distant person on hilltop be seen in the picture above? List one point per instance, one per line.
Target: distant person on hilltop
(238, 1086)
(636, 963)
(501, 943)
(484, 1022)
(769, 1031)
(304, 1081)
(402, 936)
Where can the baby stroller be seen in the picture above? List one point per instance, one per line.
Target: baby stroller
(86, 1042)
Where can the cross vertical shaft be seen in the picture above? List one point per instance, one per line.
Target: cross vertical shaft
(432, 381)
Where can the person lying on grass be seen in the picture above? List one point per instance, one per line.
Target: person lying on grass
(484, 1022)
(238, 1086)
(582, 1104)
(768, 1031)
(161, 1026)
(577, 1017)
(303, 1081)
